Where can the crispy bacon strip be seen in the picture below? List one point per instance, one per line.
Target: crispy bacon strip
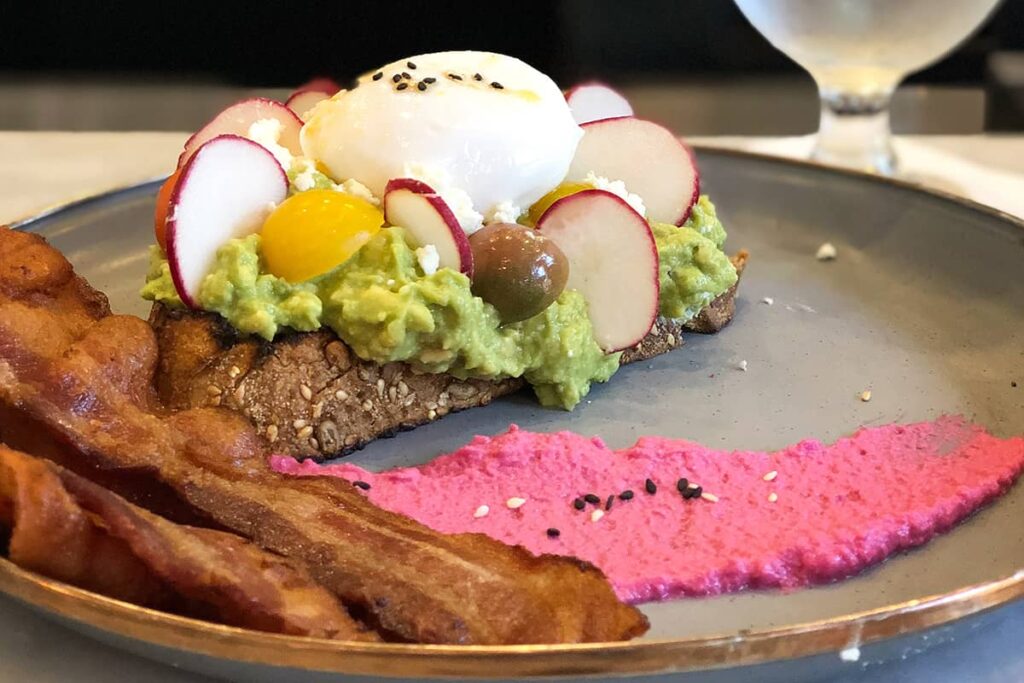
(87, 387)
(70, 529)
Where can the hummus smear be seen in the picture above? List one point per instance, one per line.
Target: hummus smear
(807, 514)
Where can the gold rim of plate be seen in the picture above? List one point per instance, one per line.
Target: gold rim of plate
(636, 657)
(391, 659)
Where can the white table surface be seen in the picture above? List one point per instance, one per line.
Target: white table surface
(40, 170)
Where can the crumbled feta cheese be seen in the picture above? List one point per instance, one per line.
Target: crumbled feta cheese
(458, 200)
(826, 252)
(618, 188)
(267, 132)
(305, 178)
(357, 189)
(428, 258)
(503, 212)
(850, 654)
(742, 366)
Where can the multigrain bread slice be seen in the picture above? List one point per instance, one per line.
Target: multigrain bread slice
(312, 397)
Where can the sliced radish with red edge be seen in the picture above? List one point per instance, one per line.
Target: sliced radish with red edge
(596, 101)
(225, 191)
(648, 158)
(236, 120)
(413, 205)
(613, 263)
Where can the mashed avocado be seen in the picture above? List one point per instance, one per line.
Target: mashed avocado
(704, 220)
(386, 308)
(692, 270)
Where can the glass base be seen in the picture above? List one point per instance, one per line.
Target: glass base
(854, 132)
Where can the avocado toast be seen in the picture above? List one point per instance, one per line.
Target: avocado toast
(446, 231)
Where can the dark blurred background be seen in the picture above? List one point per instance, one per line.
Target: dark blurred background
(696, 64)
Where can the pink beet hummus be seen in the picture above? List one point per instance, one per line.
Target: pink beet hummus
(806, 514)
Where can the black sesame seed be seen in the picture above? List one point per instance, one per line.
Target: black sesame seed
(477, 77)
(361, 485)
(650, 487)
(682, 484)
(554, 533)
(429, 79)
(411, 65)
(455, 77)
(608, 503)
(379, 75)
(693, 493)
(421, 86)
(592, 499)
(406, 76)
(401, 86)
(396, 78)
(579, 504)
(497, 86)
(626, 495)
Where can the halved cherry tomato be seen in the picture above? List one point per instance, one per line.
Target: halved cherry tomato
(313, 232)
(163, 207)
(545, 202)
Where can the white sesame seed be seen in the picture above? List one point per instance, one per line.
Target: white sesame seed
(305, 432)
(709, 497)
(481, 511)
(299, 424)
(771, 475)
(742, 365)
(768, 300)
(515, 503)
(306, 392)
(341, 394)
(826, 252)
(234, 371)
(865, 396)
(772, 497)
(596, 515)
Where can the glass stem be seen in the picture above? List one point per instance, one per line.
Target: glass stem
(854, 131)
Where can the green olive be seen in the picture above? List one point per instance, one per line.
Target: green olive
(517, 270)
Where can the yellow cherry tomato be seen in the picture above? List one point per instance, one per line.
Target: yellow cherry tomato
(545, 202)
(313, 232)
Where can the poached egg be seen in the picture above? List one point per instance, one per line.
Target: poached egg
(474, 125)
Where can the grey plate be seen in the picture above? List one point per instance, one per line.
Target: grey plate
(924, 307)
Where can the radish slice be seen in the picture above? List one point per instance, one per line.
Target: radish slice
(648, 158)
(613, 263)
(302, 102)
(413, 205)
(321, 84)
(596, 101)
(226, 189)
(236, 120)
(307, 95)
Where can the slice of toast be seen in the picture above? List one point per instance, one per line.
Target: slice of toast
(312, 397)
